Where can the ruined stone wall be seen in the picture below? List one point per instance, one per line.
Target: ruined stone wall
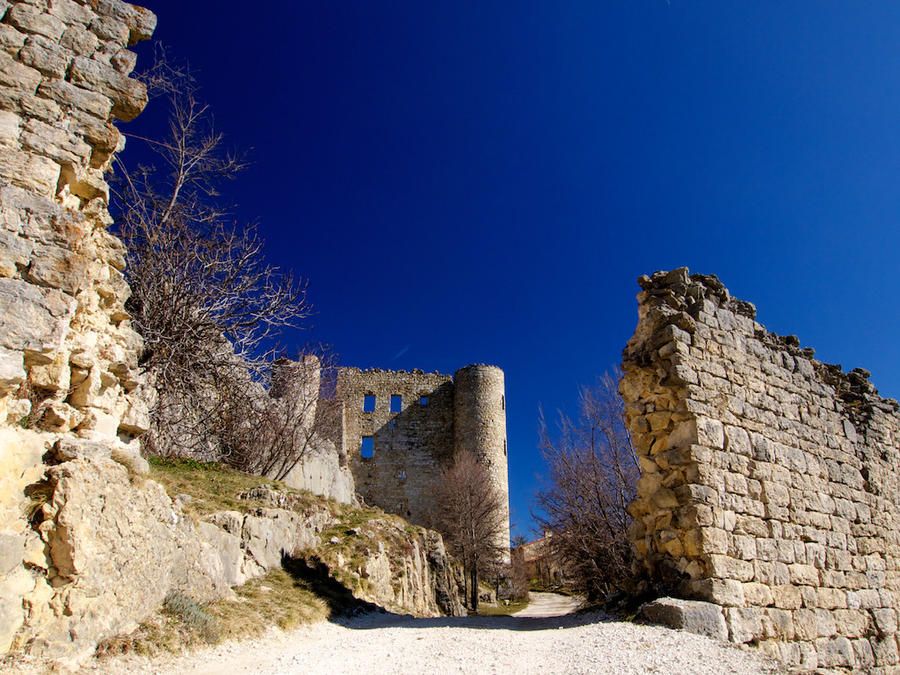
(770, 481)
(412, 445)
(68, 355)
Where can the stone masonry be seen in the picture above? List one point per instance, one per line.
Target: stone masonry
(770, 482)
(435, 416)
(68, 356)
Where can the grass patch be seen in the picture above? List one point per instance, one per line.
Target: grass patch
(277, 599)
(485, 609)
(215, 487)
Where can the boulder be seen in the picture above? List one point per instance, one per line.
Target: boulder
(694, 616)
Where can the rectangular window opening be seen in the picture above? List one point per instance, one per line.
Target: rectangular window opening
(368, 447)
(369, 403)
(423, 400)
(503, 403)
(396, 403)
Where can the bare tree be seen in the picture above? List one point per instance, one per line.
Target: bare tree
(470, 513)
(271, 435)
(593, 473)
(204, 299)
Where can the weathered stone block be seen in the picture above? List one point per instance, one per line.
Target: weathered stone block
(725, 592)
(837, 652)
(12, 371)
(30, 19)
(744, 624)
(29, 171)
(33, 319)
(46, 56)
(703, 618)
(804, 575)
(128, 96)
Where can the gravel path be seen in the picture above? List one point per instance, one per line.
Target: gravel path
(549, 604)
(384, 643)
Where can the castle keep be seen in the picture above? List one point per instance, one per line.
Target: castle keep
(400, 429)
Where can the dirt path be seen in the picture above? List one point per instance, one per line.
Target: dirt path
(384, 643)
(549, 604)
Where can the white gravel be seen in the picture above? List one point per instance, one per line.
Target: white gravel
(384, 643)
(542, 605)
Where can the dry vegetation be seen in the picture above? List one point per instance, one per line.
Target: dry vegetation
(593, 473)
(276, 599)
(470, 514)
(215, 487)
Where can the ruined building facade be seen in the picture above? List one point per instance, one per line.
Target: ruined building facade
(770, 483)
(400, 429)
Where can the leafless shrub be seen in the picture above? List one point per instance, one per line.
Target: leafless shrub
(205, 301)
(271, 435)
(518, 577)
(593, 474)
(470, 513)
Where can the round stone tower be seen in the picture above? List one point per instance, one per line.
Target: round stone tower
(479, 423)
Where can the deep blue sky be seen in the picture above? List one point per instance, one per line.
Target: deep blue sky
(484, 181)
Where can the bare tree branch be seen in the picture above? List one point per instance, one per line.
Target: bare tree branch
(207, 304)
(470, 514)
(593, 472)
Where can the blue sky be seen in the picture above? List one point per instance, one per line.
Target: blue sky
(483, 181)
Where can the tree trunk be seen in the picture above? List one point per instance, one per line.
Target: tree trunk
(473, 586)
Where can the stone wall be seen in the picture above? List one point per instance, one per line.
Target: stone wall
(68, 355)
(410, 446)
(439, 415)
(770, 481)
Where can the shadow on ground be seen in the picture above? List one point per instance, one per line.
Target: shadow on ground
(338, 597)
(381, 619)
(350, 612)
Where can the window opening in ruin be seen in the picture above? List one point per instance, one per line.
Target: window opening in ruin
(423, 400)
(396, 403)
(368, 447)
(504, 447)
(503, 403)
(392, 424)
(369, 403)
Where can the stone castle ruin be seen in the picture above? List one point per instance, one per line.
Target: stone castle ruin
(770, 481)
(400, 429)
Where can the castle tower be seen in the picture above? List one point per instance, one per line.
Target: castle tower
(479, 422)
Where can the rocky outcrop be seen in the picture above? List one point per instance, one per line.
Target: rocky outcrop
(402, 568)
(68, 355)
(322, 473)
(769, 480)
(109, 545)
(382, 560)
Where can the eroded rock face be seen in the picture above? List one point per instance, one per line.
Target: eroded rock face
(322, 473)
(68, 355)
(111, 545)
(769, 480)
(404, 569)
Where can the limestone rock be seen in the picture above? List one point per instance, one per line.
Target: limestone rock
(694, 616)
